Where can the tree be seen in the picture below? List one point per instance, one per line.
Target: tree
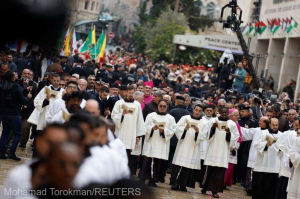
(143, 17)
(159, 39)
(139, 40)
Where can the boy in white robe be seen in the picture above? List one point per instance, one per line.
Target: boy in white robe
(160, 127)
(267, 162)
(285, 143)
(191, 131)
(294, 183)
(44, 100)
(223, 135)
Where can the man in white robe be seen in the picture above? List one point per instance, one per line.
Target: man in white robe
(160, 127)
(294, 183)
(285, 143)
(208, 120)
(267, 162)
(223, 135)
(128, 118)
(72, 105)
(60, 104)
(191, 130)
(252, 134)
(44, 100)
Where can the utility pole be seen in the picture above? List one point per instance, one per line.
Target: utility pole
(176, 5)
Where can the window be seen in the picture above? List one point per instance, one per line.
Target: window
(97, 6)
(86, 5)
(93, 5)
(211, 10)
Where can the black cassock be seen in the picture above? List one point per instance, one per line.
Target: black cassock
(150, 165)
(184, 176)
(281, 192)
(213, 179)
(264, 185)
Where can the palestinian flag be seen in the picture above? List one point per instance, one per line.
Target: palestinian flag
(257, 28)
(269, 25)
(276, 26)
(262, 27)
(291, 25)
(248, 29)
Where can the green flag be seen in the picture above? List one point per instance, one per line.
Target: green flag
(90, 40)
(97, 48)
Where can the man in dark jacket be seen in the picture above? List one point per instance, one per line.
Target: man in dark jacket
(194, 90)
(102, 99)
(226, 75)
(129, 78)
(78, 69)
(177, 112)
(12, 99)
(22, 63)
(283, 124)
(152, 106)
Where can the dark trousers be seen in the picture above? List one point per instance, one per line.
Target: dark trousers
(25, 131)
(264, 185)
(14, 124)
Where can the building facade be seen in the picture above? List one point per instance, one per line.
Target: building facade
(279, 48)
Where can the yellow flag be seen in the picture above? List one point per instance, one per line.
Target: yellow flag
(94, 36)
(102, 52)
(67, 44)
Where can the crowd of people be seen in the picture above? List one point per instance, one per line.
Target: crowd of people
(97, 126)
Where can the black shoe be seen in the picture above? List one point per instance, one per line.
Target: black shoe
(3, 156)
(162, 181)
(169, 171)
(215, 195)
(22, 146)
(13, 157)
(183, 188)
(152, 183)
(142, 181)
(175, 187)
(233, 182)
(203, 191)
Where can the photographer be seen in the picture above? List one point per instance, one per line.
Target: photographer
(12, 99)
(27, 83)
(256, 103)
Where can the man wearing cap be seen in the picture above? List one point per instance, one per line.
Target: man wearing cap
(243, 151)
(226, 75)
(77, 68)
(113, 99)
(148, 97)
(108, 76)
(129, 78)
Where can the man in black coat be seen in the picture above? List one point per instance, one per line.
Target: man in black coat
(22, 63)
(177, 112)
(78, 69)
(65, 65)
(88, 67)
(152, 106)
(226, 75)
(102, 99)
(194, 90)
(12, 100)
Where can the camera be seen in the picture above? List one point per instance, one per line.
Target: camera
(30, 83)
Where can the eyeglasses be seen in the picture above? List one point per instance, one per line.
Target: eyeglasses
(162, 106)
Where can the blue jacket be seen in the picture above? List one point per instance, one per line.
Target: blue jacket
(240, 78)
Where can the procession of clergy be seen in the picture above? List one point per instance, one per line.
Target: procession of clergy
(206, 149)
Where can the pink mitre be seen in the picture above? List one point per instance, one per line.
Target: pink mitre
(149, 84)
(231, 110)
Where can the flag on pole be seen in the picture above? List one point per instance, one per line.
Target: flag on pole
(292, 24)
(257, 29)
(269, 25)
(276, 26)
(97, 48)
(90, 40)
(74, 44)
(62, 52)
(248, 30)
(102, 52)
(263, 27)
(284, 25)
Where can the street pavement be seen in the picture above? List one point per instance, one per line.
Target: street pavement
(163, 191)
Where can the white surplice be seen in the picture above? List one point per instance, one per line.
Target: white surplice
(117, 145)
(247, 135)
(19, 178)
(294, 182)
(57, 106)
(132, 125)
(285, 143)
(204, 143)
(157, 146)
(104, 166)
(266, 161)
(38, 103)
(187, 152)
(218, 149)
